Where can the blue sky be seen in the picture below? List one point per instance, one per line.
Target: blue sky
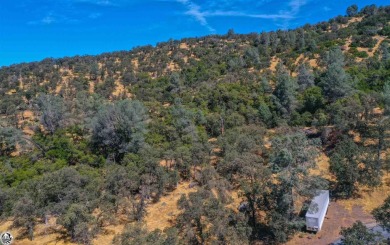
(31, 30)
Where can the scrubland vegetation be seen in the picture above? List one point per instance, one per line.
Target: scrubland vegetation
(93, 141)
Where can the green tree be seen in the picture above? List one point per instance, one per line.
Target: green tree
(344, 161)
(312, 99)
(9, 138)
(25, 215)
(75, 220)
(382, 214)
(119, 128)
(352, 10)
(386, 98)
(293, 155)
(305, 77)
(284, 93)
(52, 111)
(136, 233)
(358, 234)
(335, 82)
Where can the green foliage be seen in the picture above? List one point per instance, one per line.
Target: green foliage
(313, 99)
(335, 82)
(135, 234)
(358, 234)
(284, 93)
(53, 111)
(382, 214)
(352, 10)
(386, 98)
(9, 138)
(75, 221)
(344, 162)
(119, 128)
(113, 158)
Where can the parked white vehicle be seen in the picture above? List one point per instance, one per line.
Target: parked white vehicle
(317, 210)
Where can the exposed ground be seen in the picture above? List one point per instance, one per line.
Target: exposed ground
(343, 213)
(162, 214)
(336, 217)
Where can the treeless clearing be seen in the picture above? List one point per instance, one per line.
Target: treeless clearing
(162, 214)
(11, 91)
(274, 63)
(300, 58)
(369, 198)
(91, 88)
(322, 167)
(172, 66)
(135, 63)
(336, 217)
(184, 46)
(58, 88)
(120, 89)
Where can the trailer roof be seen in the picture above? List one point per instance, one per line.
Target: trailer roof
(318, 204)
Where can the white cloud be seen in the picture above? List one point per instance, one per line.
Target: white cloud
(194, 11)
(48, 20)
(243, 14)
(52, 18)
(295, 7)
(224, 8)
(94, 15)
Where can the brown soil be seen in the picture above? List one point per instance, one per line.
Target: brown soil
(91, 88)
(184, 46)
(369, 198)
(120, 89)
(162, 214)
(135, 63)
(274, 63)
(336, 217)
(379, 39)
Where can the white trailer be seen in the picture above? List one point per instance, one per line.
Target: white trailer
(316, 213)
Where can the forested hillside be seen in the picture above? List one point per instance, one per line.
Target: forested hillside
(235, 123)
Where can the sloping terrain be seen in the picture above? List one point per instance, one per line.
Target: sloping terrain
(214, 140)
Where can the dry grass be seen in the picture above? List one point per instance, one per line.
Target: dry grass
(91, 88)
(300, 58)
(58, 88)
(274, 63)
(162, 214)
(135, 63)
(369, 198)
(44, 235)
(120, 89)
(322, 168)
(379, 39)
(184, 46)
(350, 21)
(11, 91)
(54, 234)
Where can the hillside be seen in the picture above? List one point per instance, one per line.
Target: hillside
(221, 139)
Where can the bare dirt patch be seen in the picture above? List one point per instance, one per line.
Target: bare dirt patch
(336, 217)
(184, 46)
(91, 88)
(274, 63)
(369, 198)
(163, 214)
(372, 51)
